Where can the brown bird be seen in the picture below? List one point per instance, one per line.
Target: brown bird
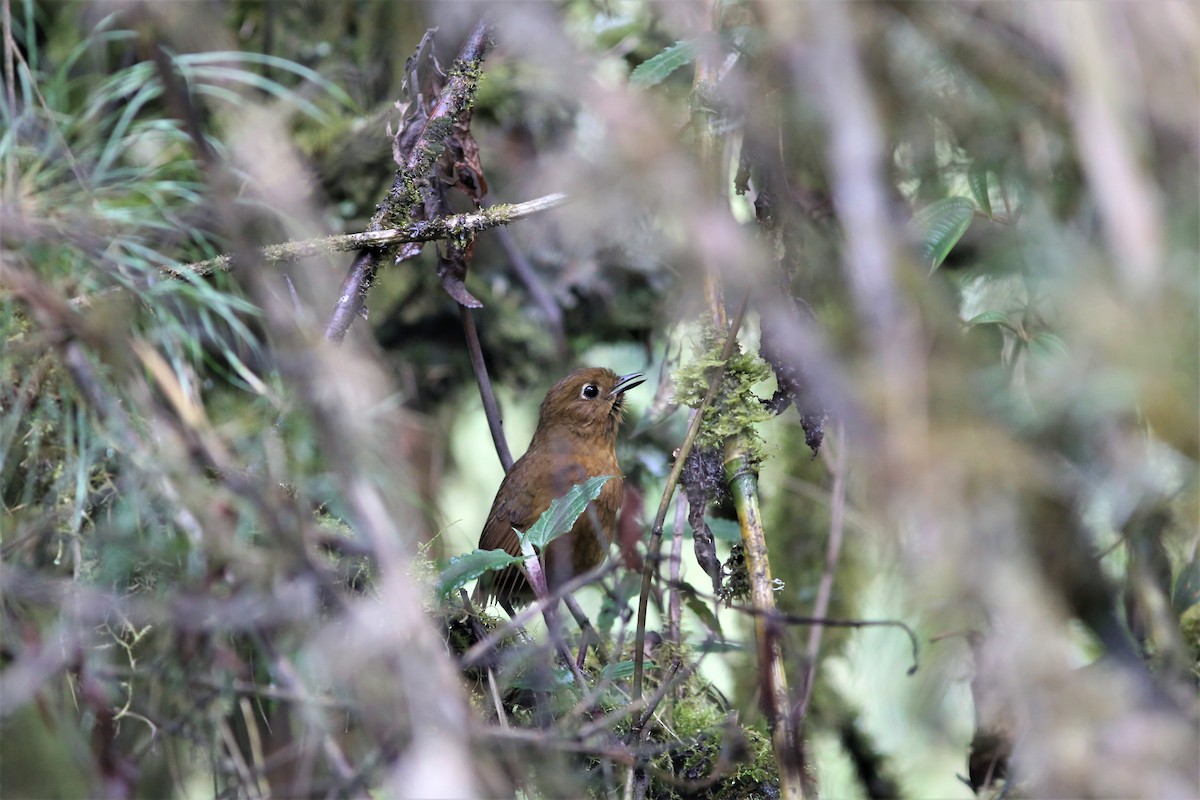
(575, 440)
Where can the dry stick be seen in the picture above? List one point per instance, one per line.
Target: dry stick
(402, 199)
(776, 617)
(490, 407)
(825, 589)
(650, 569)
(742, 479)
(588, 702)
(779, 617)
(10, 71)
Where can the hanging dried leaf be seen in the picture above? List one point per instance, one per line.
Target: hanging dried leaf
(703, 480)
(452, 269)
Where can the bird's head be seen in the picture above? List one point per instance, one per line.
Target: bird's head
(587, 401)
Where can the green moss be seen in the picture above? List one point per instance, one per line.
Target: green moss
(710, 755)
(1189, 625)
(735, 410)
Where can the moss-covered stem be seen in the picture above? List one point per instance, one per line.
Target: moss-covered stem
(742, 479)
(420, 231)
(651, 566)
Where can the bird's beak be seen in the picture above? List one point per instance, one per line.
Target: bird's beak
(626, 382)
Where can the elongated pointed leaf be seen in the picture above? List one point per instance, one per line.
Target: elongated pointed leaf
(562, 513)
(654, 71)
(989, 318)
(993, 318)
(469, 566)
(977, 177)
(940, 225)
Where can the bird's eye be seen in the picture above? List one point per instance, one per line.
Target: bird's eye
(590, 391)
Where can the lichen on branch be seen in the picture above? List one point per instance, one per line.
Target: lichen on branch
(735, 410)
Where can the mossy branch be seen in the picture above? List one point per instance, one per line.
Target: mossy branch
(456, 99)
(430, 230)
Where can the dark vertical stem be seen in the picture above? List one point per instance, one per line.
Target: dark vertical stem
(352, 295)
(490, 407)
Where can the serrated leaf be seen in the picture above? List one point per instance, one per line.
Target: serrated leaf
(1047, 345)
(469, 566)
(561, 515)
(654, 71)
(977, 178)
(940, 225)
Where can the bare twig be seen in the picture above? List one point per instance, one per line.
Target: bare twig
(675, 605)
(478, 651)
(490, 407)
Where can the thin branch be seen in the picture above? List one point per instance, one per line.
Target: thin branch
(825, 588)
(675, 605)
(478, 651)
(490, 407)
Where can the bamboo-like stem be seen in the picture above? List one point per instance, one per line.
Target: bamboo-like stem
(743, 486)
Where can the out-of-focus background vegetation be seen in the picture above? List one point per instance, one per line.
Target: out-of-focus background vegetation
(966, 236)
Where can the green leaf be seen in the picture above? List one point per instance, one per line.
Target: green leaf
(1047, 345)
(655, 70)
(617, 671)
(720, 646)
(940, 225)
(726, 530)
(989, 318)
(977, 177)
(1187, 587)
(702, 610)
(561, 515)
(469, 566)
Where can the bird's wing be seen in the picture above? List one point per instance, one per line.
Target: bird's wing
(515, 506)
